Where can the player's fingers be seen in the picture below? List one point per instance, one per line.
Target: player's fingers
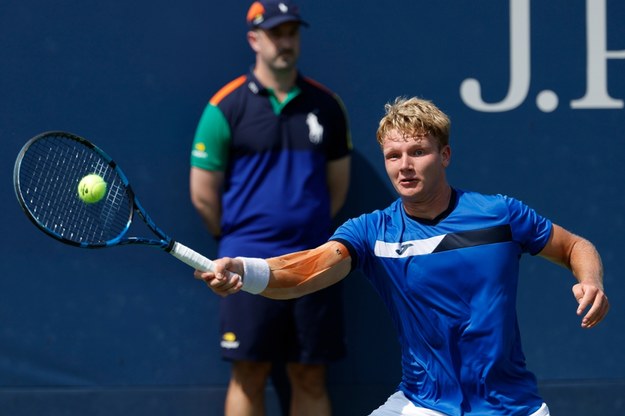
(221, 280)
(594, 299)
(223, 267)
(225, 292)
(597, 311)
(584, 298)
(578, 292)
(224, 281)
(202, 275)
(230, 283)
(218, 272)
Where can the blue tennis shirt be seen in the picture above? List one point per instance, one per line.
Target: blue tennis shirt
(450, 286)
(274, 155)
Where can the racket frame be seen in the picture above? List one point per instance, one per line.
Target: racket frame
(166, 243)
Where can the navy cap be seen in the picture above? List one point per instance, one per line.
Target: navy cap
(266, 14)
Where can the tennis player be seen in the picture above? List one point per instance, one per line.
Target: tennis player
(446, 263)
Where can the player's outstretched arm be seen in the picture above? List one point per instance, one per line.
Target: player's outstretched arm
(283, 277)
(297, 274)
(581, 257)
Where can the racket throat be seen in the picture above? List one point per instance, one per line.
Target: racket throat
(170, 246)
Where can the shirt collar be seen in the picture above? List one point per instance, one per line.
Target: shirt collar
(254, 85)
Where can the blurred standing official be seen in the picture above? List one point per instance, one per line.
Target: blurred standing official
(270, 167)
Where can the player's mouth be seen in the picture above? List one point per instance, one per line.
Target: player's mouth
(408, 182)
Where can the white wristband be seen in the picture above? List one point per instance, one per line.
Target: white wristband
(255, 275)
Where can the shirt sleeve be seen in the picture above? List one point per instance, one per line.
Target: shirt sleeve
(356, 234)
(212, 140)
(529, 228)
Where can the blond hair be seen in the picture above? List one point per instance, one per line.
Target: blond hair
(414, 117)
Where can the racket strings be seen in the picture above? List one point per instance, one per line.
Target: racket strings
(49, 173)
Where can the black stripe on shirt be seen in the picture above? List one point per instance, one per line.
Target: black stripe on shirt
(464, 239)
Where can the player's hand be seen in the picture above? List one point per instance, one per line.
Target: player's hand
(226, 277)
(592, 298)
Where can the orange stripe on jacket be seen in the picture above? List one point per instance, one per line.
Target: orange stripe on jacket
(227, 89)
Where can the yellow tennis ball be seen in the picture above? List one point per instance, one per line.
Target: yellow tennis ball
(91, 188)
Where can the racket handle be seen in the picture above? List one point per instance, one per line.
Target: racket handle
(191, 257)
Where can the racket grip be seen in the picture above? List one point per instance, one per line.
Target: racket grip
(191, 257)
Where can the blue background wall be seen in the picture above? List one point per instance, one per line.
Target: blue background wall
(129, 330)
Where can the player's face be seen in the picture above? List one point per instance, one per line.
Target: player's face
(279, 47)
(415, 166)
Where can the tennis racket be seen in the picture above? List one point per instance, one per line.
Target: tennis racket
(47, 172)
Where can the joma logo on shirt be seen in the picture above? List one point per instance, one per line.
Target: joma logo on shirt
(403, 248)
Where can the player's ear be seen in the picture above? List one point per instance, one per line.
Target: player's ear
(446, 155)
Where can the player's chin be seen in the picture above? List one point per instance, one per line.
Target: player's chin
(409, 192)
